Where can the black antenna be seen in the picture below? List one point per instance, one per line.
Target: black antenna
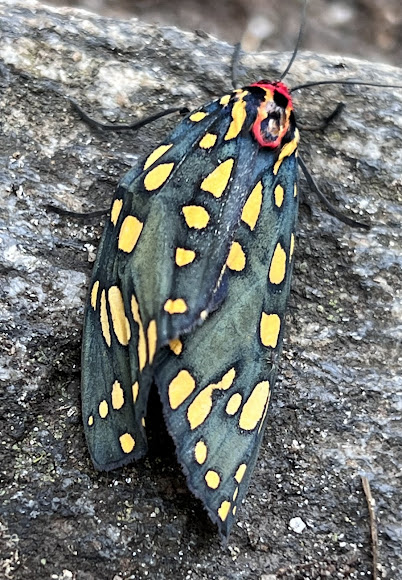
(344, 82)
(331, 208)
(119, 126)
(301, 30)
(235, 64)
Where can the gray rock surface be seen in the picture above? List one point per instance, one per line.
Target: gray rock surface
(336, 412)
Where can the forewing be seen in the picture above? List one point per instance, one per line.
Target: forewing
(215, 382)
(115, 378)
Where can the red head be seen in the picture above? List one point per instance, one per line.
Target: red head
(274, 115)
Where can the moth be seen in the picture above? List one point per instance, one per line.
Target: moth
(189, 291)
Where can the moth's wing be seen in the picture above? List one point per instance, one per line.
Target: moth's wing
(115, 380)
(133, 273)
(215, 382)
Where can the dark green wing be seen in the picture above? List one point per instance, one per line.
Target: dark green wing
(215, 382)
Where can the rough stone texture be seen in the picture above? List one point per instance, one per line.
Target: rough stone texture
(336, 413)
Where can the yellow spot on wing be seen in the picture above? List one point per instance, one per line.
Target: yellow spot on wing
(142, 345)
(233, 404)
(161, 150)
(104, 320)
(201, 406)
(270, 326)
(152, 335)
(130, 231)
(116, 209)
(223, 510)
(236, 258)
(236, 492)
(277, 269)
(117, 396)
(94, 294)
(157, 176)
(217, 181)
(176, 345)
(180, 388)
(295, 190)
(121, 325)
(184, 257)
(212, 478)
(241, 470)
(279, 194)
(200, 452)
(226, 381)
(252, 207)
(177, 306)
(287, 150)
(127, 442)
(135, 389)
(208, 141)
(103, 409)
(238, 117)
(234, 510)
(253, 408)
(196, 216)
(90, 420)
(198, 116)
(225, 99)
(292, 246)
